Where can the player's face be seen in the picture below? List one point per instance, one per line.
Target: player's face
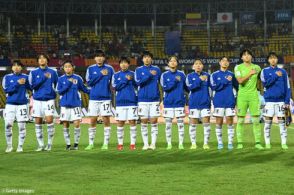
(173, 63)
(99, 60)
(198, 66)
(224, 63)
(124, 65)
(147, 60)
(42, 61)
(16, 68)
(68, 68)
(273, 60)
(246, 57)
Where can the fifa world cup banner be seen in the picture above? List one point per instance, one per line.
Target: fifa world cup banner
(283, 15)
(207, 61)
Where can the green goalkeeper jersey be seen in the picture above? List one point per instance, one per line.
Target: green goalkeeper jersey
(249, 88)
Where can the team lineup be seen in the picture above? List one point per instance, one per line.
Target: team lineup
(137, 96)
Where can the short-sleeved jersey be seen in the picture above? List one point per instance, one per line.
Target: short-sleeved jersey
(249, 88)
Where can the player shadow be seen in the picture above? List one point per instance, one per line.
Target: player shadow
(199, 157)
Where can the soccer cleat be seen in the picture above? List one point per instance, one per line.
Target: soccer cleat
(67, 147)
(145, 147)
(181, 147)
(259, 146)
(206, 147)
(48, 147)
(268, 146)
(76, 146)
(230, 147)
(19, 149)
(284, 147)
(9, 149)
(220, 146)
(104, 147)
(152, 147)
(193, 147)
(120, 147)
(40, 148)
(240, 146)
(169, 147)
(90, 147)
(132, 147)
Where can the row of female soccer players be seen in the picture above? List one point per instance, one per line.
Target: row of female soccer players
(129, 103)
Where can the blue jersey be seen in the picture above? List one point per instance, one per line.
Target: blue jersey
(69, 91)
(43, 87)
(99, 83)
(15, 92)
(224, 96)
(276, 88)
(174, 89)
(148, 90)
(199, 96)
(126, 94)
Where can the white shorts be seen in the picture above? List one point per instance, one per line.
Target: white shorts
(173, 112)
(274, 109)
(70, 114)
(148, 109)
(221, 112)
(100, 108)
(16, 112)
(196, 113)
(44, 108)
(124, 113)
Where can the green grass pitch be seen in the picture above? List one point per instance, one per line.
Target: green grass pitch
(246, 171)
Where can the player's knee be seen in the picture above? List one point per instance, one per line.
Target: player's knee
(77, 125)
(8, 124)
(168, 120)
(122, 123)
(49, 121)
(241, 120)
(269, 118)
(268, 121)
(192, 121)
(38, 120)
(107, 124)
(229, 120)
(218, 126)
(281, 120)
(180, 120)
(153, 121)
(255, 120)
(206, 119)
(132, 122)
(22, 126)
